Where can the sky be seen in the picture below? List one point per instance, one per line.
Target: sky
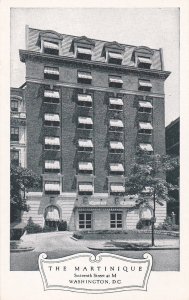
(152, 27)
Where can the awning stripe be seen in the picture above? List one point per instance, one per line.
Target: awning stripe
(52, 117)
(116, 101)
(116, 168)
(143, 83)
(51, 45)
(146, 147)
(85, 188)
(117, 188)
(116, 145)
(116, 123)
(52, 141)
(85, 120)
(144, 60)
(52, 186)
(52, 164)
(144, 125)
(51, 94)
(84, 75)
(50, 70)
(84, 51)
(84, 98)
(85, 166)
(145, 104)
(85, 143)
(115, 55)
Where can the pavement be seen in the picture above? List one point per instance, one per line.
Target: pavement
(50, 241)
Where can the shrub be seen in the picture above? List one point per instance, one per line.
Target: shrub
(47, 228)
(62, 226)
(139, 225)
(78, 235)
(16, 233)
(32, 227)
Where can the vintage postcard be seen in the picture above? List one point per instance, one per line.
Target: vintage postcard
(94, 105)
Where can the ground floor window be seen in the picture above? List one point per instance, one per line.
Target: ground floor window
(116, 220)
(85, 220)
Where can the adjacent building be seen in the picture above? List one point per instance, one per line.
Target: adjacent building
(89, 105)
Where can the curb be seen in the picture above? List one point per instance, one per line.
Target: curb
(22, 249)
(134, 249)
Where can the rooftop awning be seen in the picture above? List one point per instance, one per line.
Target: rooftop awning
(84, 50)
(116, 168)
(116, 123)
(115, 79)
(115, 55)
(51, 45)
(146, 147)
(116, 145)
(87, 166)
(84, 98)
(85, 143)
(145, 104)
(144, 125)
(146, 213)
(51, 94)
(52, 186)
(85, 188)
(116, 101)
(145, 83)
(115, 188)
(52, 214)
(52, 117)
(52, 164)
(50, 70)
(85, 120)
(144, 60)
(84, 75)
(52, 140)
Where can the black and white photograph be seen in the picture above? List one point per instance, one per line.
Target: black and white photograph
(94, 145)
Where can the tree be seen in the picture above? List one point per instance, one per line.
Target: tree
(21, 179)
(148, 180)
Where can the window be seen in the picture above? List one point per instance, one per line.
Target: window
(52, 120)
(85, 168)
(146, 147)
(52, 187)
(85, 188)
(14, 105)
(115, 81)
(117, 189)
(115, 125)
(116, 169)
(50, 48)
(115, 219)
(116, 103)
(15, 157)
(145, 107)
(144, 85)
(51, 96)
(52, 143)
(85, 123)
(14, 134)
(85, 220)
(51, 73)
(84, 53)
(114, 58)
(84, 77)
(85, 145)
(52, 166)
(84, 100)
(144, 62)
(116, 147)
(145, 128)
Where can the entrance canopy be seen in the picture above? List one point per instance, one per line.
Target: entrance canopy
(52, 213)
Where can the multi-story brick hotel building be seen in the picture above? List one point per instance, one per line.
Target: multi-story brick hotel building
(89, 105)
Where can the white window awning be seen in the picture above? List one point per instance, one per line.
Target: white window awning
(146, 147)
(116, 168)
(52, 164)
(147, 190)
(52, 141)
(115, 188)
(84, 50)
(51, 45)
(144, 60)
(51, 94)
(145, 83)
(52, 117)
(116, 80)
(52, 214)
(84, 75)
(145, 104)
(52, 186)
(116, 145)
(85, 120)
(84, 98)
(116, 123)
(144, 125)
(116, 101)
(85, 187)
(146, 213)
(50, 70)
(115, 55)
(85, 166)
(85, 143)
